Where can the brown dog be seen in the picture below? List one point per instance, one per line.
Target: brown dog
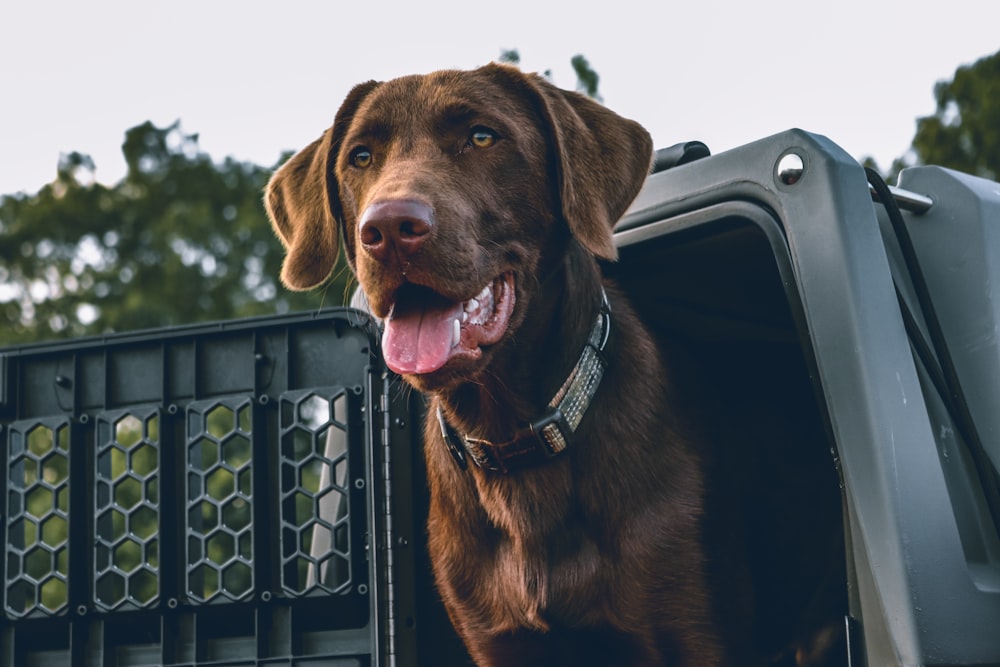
(566, 497)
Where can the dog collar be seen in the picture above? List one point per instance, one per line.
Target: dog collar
(553, 433)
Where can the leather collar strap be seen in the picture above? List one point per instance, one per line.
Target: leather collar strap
(550, 435)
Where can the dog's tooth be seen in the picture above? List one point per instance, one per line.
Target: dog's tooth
(473, 304)
(465, 316)
(456, 331)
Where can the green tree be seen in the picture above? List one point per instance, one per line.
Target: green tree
(510, 56)
(587, 78)
(964, 131)
(179, 239)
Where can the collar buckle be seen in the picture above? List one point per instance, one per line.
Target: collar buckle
(552, 431)
(541, 440)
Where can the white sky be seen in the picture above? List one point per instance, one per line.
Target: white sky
(255, 78)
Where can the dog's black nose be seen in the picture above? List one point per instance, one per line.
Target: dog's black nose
(395, 226)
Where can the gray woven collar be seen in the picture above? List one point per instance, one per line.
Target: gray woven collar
(553, 433)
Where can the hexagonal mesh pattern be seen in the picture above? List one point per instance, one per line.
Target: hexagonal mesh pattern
(38, 550)
(220, 500)
(315, 521)
(127, 509)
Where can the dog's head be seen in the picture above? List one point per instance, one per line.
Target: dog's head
(452, 194)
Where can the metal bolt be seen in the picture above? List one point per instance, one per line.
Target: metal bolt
(790, 168)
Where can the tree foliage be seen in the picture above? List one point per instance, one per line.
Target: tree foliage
(510, 56)
(587, 78)
(179, 239)
(964, 131)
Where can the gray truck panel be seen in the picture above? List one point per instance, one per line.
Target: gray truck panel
(918, 596)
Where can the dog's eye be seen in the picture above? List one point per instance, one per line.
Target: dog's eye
(482, 137)
(361, 158)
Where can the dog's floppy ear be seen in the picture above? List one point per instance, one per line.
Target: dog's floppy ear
(302, 200)
(602, 159)
(297, 203)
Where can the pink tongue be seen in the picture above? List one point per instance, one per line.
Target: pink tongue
(419, 336)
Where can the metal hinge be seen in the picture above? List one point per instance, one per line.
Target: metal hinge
(389, 565)
(906, 200)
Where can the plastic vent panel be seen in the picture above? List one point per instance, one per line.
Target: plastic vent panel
(127, 509)
(194, 495)
(38, 551)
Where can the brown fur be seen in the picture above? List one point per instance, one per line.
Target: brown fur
(595, 557)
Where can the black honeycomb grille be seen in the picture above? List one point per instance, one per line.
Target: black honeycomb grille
(38, 507)
(315, 526)
(220, 497)
(127, 509)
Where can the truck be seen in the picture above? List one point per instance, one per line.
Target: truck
(251, 492)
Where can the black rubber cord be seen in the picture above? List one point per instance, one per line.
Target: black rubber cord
(935, 355)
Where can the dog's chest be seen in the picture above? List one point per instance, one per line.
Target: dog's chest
(546, 553)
